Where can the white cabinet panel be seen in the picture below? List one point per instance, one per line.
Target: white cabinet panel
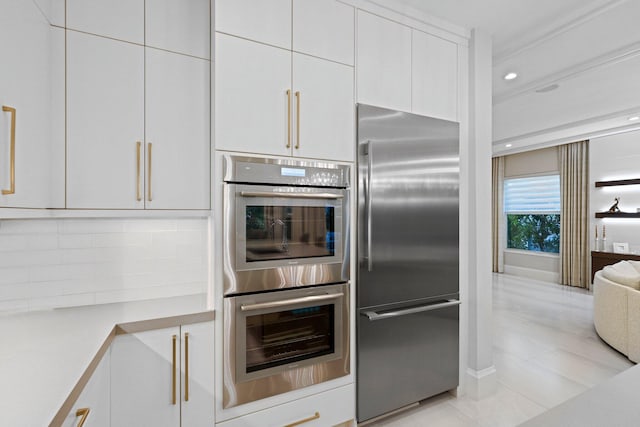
(118, 19)
(142, 386)
(198, 409)
(383, 63)
(96, 397)
(324, 28)
(266, 21)
(329, 408)
(105, 119)
(25, 81)
(434, 76)
(326, 109)
(58, 133)
(179, 26)
(177, 126)
(251, 111)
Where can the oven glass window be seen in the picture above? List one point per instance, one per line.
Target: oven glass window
(289, 336)
(285, 232)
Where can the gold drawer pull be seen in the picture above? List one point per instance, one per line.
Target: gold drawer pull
(297, 120)
(173, 372)
(186, 366)
(306, 420)
(84, 413)
(149, 193)
(12, 161)
(288, 118)
(138, 167)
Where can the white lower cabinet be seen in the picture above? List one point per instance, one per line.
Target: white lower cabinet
(163, 377)
(331, 408)
(94, 402)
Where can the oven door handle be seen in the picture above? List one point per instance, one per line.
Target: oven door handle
(281, 303)
(291, 195)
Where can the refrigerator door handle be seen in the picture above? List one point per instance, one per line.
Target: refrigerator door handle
(372, 315)
(368, 203)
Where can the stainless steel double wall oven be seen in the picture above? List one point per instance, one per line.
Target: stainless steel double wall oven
(286, 267)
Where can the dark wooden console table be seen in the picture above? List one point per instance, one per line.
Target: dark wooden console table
(601, 259)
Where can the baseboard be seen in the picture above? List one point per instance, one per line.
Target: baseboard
(483, 383)
(532, 273)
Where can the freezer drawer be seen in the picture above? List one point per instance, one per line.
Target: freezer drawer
(405, 356)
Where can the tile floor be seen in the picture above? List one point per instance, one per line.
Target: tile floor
(545, 351)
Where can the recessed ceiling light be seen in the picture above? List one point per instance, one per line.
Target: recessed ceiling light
(634, 118)
(508, 145)
(510, 76)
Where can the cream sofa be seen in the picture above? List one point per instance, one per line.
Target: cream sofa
(616, 307)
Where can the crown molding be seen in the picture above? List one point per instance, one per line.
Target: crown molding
(593, 127)
(613, 57)
(553, 30)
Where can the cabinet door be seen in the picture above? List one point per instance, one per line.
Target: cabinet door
(251, 113)
(105, 119)
(95, 397)
(118, 19)
(177, 131)
(197, 387)
(324, 29)
(384, 62)
(434, 77)
(266, 21)
(326, 109)
(142, 379)
(25, 84)
(179, 26)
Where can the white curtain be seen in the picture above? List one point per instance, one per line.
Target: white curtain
(497, 214)
(574, 214)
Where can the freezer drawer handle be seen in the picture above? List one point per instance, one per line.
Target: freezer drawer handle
(372, 315)
(281, 303)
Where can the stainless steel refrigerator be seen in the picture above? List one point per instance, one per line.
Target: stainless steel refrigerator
(408, 259)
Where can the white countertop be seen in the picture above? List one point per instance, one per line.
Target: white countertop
(614, 403)
(44, 353)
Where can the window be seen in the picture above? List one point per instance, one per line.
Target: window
(532, 206)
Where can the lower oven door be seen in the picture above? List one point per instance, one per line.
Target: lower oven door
(284, 340)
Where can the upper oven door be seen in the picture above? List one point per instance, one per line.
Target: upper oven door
(284, 237)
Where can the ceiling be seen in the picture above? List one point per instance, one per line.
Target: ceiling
(590, 49)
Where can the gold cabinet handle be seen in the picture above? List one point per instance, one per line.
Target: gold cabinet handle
(173, 372)
(297, 120)
(288, 118)
(186, 366)
(306, 420)
(149, 149)
(84, 413)
(138, 168)
(12, 160)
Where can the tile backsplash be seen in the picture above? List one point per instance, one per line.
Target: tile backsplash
(69, 262)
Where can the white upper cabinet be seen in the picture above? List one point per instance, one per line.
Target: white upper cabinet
(118, 19)
(266, 21)
(324, 28)
(105, 123)
(383, 62)
(26, 41)
(177, 131)
(252, 81)
(325, 111)
(434, 76)
(179, 26)
(294, 97)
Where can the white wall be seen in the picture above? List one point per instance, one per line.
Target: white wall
(70, 262)
(615, 157)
